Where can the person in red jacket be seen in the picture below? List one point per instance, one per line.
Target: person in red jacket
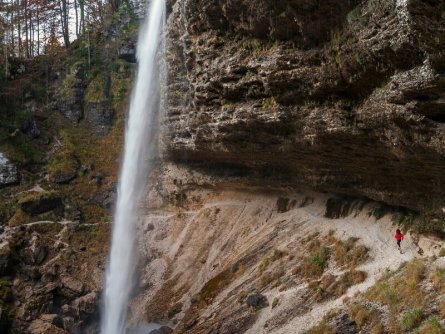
(399, 237)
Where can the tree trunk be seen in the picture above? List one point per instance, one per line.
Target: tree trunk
(19, 28)
(77, 19)
(12, 26)
(82, 16)
(31, 34)
(64, 21)
(6, 60)
(38, 33)
(26, 28)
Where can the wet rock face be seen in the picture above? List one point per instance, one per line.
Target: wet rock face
(337, 95)
(8, 172)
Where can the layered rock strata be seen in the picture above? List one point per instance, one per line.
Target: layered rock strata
(342, 96)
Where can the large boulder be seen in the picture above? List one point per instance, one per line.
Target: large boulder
(8, 172)
(86, 304)
(72, 288)
(63, 167)
(37, 202)
(36, 252)
(257, 301)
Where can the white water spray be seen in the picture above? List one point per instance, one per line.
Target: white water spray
(140, 146)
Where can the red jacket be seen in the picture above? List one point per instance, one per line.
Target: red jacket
(399, 236)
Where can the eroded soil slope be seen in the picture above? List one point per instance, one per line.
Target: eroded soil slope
(220, 259)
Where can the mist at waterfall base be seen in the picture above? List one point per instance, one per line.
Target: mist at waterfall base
(139, 148)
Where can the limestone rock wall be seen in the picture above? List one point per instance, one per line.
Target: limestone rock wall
(342, 96)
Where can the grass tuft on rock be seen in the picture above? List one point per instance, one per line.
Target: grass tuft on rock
(364, 315)
(315, 264)
(401, 290)
(412, 318)
(349, 254)
(432, 326)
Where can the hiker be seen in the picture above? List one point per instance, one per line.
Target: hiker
(399, 237)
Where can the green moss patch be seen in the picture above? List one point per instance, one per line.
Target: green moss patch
(64, 164)
(68, 88)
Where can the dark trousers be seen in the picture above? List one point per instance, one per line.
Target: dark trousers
(398, 242)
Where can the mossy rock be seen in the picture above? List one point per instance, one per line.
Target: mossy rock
(95, 90)
(68, 89)
(63, 168)
(39, 202)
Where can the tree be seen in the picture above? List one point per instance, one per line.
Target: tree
(28, 27)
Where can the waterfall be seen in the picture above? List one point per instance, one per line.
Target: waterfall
(140, 147)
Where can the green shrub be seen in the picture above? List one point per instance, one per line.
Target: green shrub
(313, 265)
(429, 221)
(320, 258)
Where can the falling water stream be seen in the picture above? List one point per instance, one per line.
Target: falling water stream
(140, 147)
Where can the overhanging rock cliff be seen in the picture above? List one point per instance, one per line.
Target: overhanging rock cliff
(342, 96)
